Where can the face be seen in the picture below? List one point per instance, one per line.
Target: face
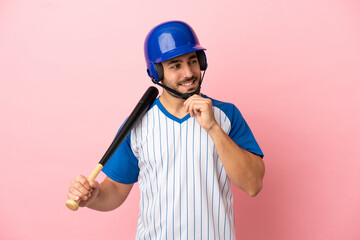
(182, 73)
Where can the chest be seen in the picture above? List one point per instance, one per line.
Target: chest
(165, 146)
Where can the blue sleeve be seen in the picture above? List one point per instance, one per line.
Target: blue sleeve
(123, 165)
(241, 133)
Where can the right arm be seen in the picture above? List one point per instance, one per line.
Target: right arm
(102, 197)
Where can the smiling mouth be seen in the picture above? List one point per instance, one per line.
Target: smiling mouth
(188, 83)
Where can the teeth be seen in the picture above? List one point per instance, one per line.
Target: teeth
(188, 84)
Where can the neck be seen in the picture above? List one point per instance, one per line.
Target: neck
(173, 105)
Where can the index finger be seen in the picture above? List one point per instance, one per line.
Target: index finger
(84, 182)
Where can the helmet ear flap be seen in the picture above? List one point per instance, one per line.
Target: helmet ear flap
(160, 71)
(153, 72)
(201, 56)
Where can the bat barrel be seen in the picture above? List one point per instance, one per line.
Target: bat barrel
(140, 109)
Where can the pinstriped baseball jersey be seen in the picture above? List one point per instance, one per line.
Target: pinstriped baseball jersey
(184, 190)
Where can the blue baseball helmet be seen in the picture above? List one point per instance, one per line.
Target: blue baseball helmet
(168, 40)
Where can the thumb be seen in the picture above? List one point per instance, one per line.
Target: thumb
(94, 184)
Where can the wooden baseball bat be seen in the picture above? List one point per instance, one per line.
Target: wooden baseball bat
(140, 109)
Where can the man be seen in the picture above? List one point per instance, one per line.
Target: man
(185, 152)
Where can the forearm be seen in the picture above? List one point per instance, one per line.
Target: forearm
(110, 196)
(245, 170)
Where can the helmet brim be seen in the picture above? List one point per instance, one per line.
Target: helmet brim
(178, 52)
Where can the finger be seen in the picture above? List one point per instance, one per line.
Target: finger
(79, 185)
(197, 100)
(75, 194)
(190, 102)
(77, 198)
(187, 105)
(73, 197)
(191, 112)
(85, 198)
(83, 181)
(78, 189)
(197, 107)
(190, 99)
(94, 185)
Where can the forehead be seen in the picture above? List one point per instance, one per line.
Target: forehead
(183, 57)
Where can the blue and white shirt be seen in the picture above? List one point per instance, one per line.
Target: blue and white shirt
(184, 190)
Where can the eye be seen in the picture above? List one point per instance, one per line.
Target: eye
(175, 66)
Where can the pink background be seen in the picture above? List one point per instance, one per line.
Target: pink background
(71, 71)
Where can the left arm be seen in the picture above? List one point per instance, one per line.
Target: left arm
(246, 170)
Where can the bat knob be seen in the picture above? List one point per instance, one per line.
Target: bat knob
(72, 204)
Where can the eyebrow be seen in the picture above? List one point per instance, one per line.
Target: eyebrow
(176, 60)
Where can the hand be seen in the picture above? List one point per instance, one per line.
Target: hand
(202, 109)
(82, 189)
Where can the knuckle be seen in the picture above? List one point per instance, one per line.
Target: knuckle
(77, 185)
(93, 184)
(83, 181)
(73, 190)
(71, 196)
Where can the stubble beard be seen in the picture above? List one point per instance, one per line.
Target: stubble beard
(193, 78)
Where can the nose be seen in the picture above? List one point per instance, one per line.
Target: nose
(187, 71)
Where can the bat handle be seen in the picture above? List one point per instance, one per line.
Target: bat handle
(74, 205)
